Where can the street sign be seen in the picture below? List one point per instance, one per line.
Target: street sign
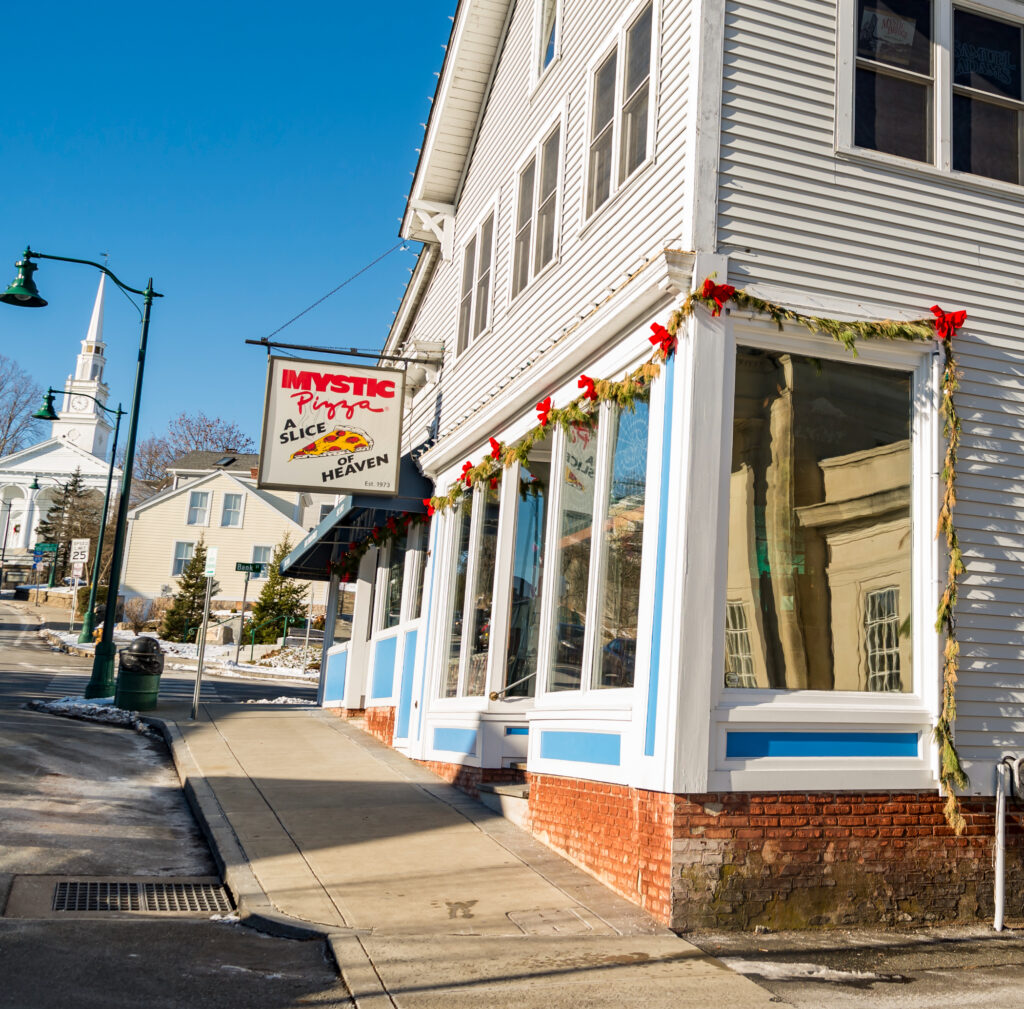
(78, 570)
(46, 548)
(37, 556)
(253, 569)
(79, 551)
(211, 562)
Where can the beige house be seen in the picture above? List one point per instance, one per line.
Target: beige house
(214, 498)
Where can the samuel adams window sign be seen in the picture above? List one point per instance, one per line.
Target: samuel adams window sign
(331, 427)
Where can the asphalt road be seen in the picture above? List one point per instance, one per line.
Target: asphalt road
(83, 799)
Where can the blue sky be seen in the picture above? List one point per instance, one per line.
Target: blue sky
(249, 156)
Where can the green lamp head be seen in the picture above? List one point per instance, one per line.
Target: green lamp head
(46, 411)
(34, 485)
(23, 290)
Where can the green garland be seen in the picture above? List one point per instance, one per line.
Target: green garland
(346, 567)
(583, 410)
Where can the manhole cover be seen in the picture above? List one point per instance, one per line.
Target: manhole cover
(59, 896)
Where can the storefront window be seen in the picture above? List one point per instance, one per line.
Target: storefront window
(463, 516)
(393, 586)
(527, 574)
(346, 607)
(421, 571)
(575, 532)
(622, 546)
(818, 588)
(483, 595)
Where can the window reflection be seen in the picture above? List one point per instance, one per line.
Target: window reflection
(483, 595)
(575, 531)
(346, 607)
(622, 544)
(463, 518)
(527, 580)
(395, 577)
(819, 526)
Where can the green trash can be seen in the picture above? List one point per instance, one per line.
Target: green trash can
(138, 675)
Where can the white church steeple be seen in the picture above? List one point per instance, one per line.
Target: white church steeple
(80, 420)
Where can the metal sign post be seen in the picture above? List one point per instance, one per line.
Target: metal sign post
(210, 570)
(249, 569)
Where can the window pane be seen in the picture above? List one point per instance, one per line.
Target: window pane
(548, 29)
(548, 194)
(393, 591)
(638, 51)
(634, 133)
(575, 531)
(421, 571)
(483, 596)
(986, 139)
(622, 543)
(521, 265)
(197, 504)
(893, 116)
(604, 95)
(346, 607)
(466, 302)
(527, 579)
(462, 516)
(819, 522)
(986, 54)
(483, 284)
(232, 513)
(182, 555)
(261, 555)
(600, 183)
(897, 32)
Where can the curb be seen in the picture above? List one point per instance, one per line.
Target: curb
(254, 906)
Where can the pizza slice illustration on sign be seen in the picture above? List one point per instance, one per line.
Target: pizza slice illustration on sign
(341, 440)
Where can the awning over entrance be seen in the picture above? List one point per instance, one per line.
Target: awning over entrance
(353, 518)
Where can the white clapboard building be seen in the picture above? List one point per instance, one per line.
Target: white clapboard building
(699, 638)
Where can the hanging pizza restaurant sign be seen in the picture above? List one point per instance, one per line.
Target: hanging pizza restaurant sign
(330, 427)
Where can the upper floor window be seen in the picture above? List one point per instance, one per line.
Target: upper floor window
(620, 119)
(961, 110)
(199, 508)
(536, 212)
(549, 11)
(231, 515)
(475, 294)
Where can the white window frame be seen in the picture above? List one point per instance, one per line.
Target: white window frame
(267, 563)
(539, 70)
(535, 153)
(941, 163)
(733, 708)
(241, 509)
(188, 508)
(617, 44)
(174, 558)
(475, 232)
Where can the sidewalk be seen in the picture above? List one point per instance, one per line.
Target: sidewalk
(427, 898)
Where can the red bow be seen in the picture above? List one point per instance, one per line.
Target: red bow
(375, 533)
(586, 383)
(428, 505)
(495, 449)
(494, 483)
(662, 339)
(466, 467)
(392, 524)
(543, 409)
(346, 577)
(947, 323)
(718, 293)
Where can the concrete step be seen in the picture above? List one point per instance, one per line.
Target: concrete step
(510, 801)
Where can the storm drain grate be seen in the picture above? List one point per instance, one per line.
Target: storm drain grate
(123, 896)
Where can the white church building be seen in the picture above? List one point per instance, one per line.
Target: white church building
(79, 440)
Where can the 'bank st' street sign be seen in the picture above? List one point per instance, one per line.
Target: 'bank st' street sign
(46, 548)
(253, 569)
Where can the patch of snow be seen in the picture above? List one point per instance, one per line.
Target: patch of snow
(226, 919)
(279, 700)
(98, 709)
(784, 971)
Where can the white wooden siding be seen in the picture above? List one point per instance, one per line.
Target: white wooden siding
(645, 217)
(795, 216)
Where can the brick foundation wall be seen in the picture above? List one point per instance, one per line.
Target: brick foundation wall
(468, 779)
(380, 722)
(346, 712)
(820, 859)
(621, 835)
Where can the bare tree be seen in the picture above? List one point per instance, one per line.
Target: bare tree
(19, 396)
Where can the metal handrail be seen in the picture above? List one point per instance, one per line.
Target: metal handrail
(496, 694)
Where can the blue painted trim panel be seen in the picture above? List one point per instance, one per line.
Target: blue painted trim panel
(405, 690)
(426, 628)
(384, 668)
(583, 747)
(659, 577)
(455, 740)
(751, 745)
(516, 730)
(334, 681)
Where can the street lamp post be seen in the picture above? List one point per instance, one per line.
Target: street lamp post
(23, 292)
(3, 549)
(47, 412)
